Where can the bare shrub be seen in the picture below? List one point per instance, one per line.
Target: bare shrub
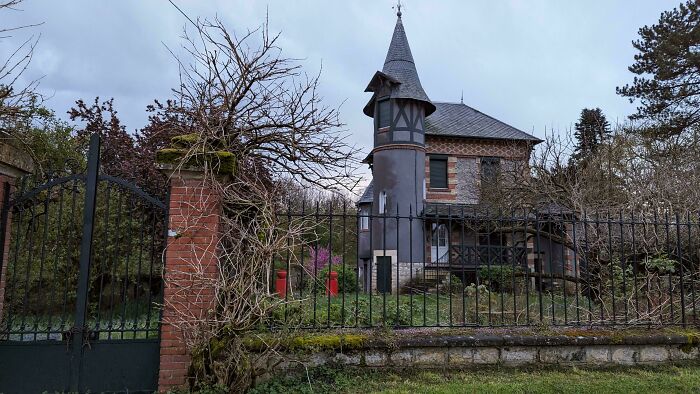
(239, 95)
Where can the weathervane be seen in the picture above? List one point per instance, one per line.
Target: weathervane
(398, 8)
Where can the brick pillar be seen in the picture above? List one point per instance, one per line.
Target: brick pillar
(190, 266)
(13, 164)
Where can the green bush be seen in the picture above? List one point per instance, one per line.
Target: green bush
(499, 277)
(661, 263)
(392, 318)
(472, 289)
(455, 285)
(347, 280)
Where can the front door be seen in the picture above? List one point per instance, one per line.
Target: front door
(384, 274)
(438, 247)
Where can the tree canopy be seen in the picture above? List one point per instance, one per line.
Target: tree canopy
(590, 130)
(667, 72)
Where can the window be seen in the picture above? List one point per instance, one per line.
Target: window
(440, 235)
(490, 166)
(382, 202)
(383, 113)
(364, 219)
(438, 172)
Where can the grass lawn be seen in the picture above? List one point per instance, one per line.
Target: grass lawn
(489, 308)
(666, 379)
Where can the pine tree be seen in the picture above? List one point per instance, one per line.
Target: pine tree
(591, 130)
(667, 68)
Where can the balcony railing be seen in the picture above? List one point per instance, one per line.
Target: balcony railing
(483, 255)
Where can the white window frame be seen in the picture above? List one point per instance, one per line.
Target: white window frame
(439, 235)
(382, 202)
(364, 219)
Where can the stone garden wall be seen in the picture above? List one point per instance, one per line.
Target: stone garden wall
(444, 352)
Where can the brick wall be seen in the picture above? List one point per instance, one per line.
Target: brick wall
(190, 268)
(478, 148)
(443, 195)
(463, 165)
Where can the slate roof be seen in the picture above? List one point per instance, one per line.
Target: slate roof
(367, 195)
(400, 67)
(461, 120)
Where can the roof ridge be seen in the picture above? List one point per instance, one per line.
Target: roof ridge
(449, 102)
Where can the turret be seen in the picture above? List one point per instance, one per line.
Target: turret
(398, 106)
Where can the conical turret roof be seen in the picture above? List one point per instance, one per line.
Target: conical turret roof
(400, 67)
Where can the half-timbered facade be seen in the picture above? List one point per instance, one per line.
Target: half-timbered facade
(431, 159)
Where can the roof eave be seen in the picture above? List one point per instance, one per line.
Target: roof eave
(377, 80)
(534, 140)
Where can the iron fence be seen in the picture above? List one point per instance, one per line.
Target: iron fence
(42, 228)
(81, 283)
(470, 266)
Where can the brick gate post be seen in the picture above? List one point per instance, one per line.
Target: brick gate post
(13, 164)
(190, 266)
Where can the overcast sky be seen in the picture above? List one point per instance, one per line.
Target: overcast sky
(533, 64)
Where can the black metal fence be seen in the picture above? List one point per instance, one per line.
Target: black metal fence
(475, 267)
(45, 227)
(81, 283)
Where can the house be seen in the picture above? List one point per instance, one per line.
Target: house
(430, 161)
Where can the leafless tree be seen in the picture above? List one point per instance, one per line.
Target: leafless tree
(623, 197)
(239, 91)
(17, 99)
(238, 94)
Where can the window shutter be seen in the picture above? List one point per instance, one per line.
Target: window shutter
(438, 172)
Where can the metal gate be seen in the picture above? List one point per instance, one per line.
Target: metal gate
(82, 284)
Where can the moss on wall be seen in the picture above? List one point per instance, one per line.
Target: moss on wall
(309, 341)
(213, 155)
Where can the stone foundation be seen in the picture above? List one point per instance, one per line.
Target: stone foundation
(442, 352)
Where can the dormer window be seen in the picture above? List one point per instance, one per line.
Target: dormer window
(383, 113)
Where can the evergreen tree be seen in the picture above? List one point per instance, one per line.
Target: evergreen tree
(667, 68)
(590, 130)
